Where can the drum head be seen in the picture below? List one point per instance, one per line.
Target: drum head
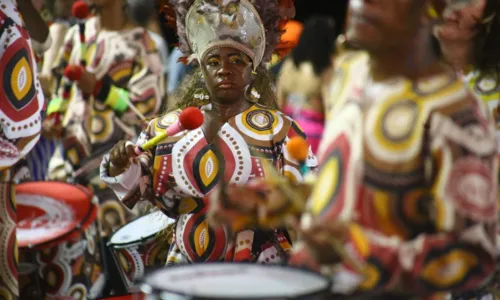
(236, 281)
(140, 229)
(48, 212)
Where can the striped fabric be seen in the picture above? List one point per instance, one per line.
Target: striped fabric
(38, 159)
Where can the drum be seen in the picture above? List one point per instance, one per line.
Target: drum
(235, 281)
(58, 241)
(138, 247)
(126, 297)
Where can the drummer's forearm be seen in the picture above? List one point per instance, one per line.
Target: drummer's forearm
(124, 185)
(37, 27)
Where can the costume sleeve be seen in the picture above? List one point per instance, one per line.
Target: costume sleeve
(132, 185)
(460, 253)
(145, 89)
(56, 104)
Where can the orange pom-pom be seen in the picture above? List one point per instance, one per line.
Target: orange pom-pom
(298, 148)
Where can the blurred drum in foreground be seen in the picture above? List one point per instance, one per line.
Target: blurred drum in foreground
(235, 281)
(58, 242)
(141, 246)
(126, 297)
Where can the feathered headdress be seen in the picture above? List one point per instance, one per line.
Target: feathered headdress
(251, 26)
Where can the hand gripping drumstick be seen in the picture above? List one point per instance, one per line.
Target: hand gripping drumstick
(189, 119)
(298, 149)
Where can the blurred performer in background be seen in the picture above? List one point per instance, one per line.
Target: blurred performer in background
(289, 40)
(231, 42)
(59, 12)
(305, 76)
(408, 175)
(469, 41)
(22, 32)
(120, 87)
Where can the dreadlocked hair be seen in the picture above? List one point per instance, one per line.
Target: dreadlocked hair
(487, 42)
(193, 85)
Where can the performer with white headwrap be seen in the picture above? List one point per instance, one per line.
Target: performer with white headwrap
(230, 41)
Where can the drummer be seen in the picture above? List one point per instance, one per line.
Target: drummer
(408, 167)
(242, 126)
(119, 89)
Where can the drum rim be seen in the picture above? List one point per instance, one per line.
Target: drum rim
(78, 227)
(148, 289)
(137, 241)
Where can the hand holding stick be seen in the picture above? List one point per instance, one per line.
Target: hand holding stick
(124, 152)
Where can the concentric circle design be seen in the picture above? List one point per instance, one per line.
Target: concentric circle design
(98, 124)
(447, 268)
(472, 189)
(157, 254)
(486, 85)
(128, 262)
(260, 120)
(19, 97)
(78, 292)
(5, 294)
(57, 277)
(396, 129)
(207, 170)
(167, 120)
(102, 125)
(259, 124)
(398, 121)
(329, 192)
(200, 242)
(111, 216)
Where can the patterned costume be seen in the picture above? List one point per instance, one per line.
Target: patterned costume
(129, 69)
(487, 89)
(185, 169)
(21, 103)
(412, 167)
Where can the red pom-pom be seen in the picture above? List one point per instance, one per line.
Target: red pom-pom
(80, 10)
(191, 118)
(73, 72)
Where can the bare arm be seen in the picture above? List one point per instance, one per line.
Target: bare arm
(36, 26)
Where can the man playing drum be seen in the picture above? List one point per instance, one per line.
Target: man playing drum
(404, 202)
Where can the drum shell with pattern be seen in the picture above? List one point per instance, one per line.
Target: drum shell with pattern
(141, 246)
(59, 250)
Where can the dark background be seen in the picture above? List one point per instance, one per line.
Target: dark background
(305, 9)
(308, 8)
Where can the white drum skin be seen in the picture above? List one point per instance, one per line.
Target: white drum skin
(136, 249)
(234, 281)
